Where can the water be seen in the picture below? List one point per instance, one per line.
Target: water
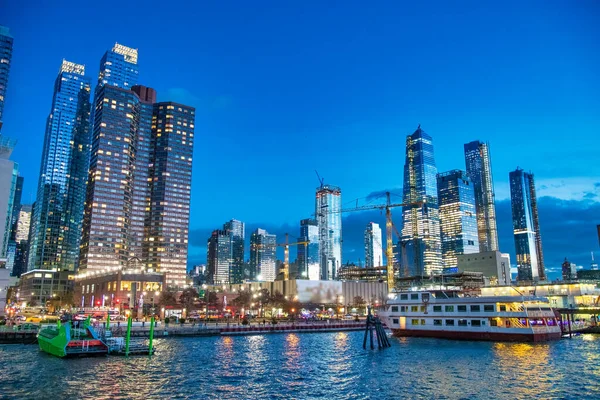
(311, 366)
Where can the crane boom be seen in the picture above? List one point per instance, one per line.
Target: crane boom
(286, 254)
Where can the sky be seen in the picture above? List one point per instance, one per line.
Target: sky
(283, 89)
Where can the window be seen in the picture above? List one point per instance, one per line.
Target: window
(494, 322)
(462, 322)
(414, 296)
(502, 307)
(395, 321)
(476, 308)
(449, 308)
(423, 308)
(475, 322)
(422, 322)
(414, 308)
(437, 308)
(449, 322)
(403, 297)
(403, 308)
(414, 322)
(437, 322)
(488, 308)
(394, 308)
(462, 308)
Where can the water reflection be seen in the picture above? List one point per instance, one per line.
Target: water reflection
(513, 358)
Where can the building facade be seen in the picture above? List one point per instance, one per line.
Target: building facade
(526, 227)
(57, 218)
(218, 257)
(420, 247)
(237, 235)
(40, 285)
(263, 256)
(373, 246)
(329, 219)
(479, 169)
(458, 218)
(6, 48)
(492, 264)
(308, 251)
(9, 171)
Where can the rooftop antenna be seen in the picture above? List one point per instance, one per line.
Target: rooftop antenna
(321, 180)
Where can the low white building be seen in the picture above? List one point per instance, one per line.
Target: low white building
(560, 294)
(492, 264)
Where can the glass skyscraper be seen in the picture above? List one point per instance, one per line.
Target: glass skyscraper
(6, 46)
(237, 235)
(118, 67)
(218, 257)
(263, 255)
(308, 254)
(479, 170)
(458, 218)
(526, 227)
(57, 217)
(420, 250)
(373, 246)
(329, 219)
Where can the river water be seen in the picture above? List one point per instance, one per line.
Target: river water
(311, 366)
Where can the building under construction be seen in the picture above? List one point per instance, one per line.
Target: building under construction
(465, 281)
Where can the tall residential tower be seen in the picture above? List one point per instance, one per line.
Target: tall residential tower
(6, 46)
(526, 227)
(308, 254)
(329, 219)
(237, 235)
(263, 257)
(420, 249)
(479, 169)
(373, 246)
(458, 221)
(57, 217)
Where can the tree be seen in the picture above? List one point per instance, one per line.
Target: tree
(244, 299)
(358, 301)
(211, 298)
(188, 298)
(167, 298)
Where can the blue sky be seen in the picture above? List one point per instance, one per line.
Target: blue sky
(283, 88)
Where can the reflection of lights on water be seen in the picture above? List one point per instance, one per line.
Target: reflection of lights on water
(292, 340)
(535, 358)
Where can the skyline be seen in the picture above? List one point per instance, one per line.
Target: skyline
(361, 104)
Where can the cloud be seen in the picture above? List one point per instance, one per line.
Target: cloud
(577, 188)
(380, 194)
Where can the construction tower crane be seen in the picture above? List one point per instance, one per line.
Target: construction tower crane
(389, 226)
(286, 255)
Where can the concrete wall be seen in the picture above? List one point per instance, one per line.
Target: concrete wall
(492, 264)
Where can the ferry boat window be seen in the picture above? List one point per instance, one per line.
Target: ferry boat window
(414, 308)
(550, 322)
(462, 322)
(403, 297)
(422, 322)
(502, 307)
(437, 322)
(488, 308)
(403, 308)
(449, 308)
(493, 322)
(476, 308)
(449, 322)
(395, 321)
(437, 308)
(475, 322)
(394, 308)
(414, 322)
(462, 308)
(414, 296)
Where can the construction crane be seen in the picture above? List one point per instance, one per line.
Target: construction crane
(286, 255)
(389, 226)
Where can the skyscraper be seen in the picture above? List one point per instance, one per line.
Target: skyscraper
(6, 46)
(263, 257)
(56, 221)
(373, 246)
(218, 257)
(526, 227)
(118, 67)
(420, 249)
(458, 218)
(308, 254)
(329, 219)
(479, 169)
(237, 235)
(22, 240)
(8, 182)
(11, 247)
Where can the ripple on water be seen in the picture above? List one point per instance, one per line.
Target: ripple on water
(311, 366)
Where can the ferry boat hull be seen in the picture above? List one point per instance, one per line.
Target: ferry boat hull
(60, 343)
(479, 336)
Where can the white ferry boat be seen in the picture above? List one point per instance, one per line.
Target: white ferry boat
(448, 314)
